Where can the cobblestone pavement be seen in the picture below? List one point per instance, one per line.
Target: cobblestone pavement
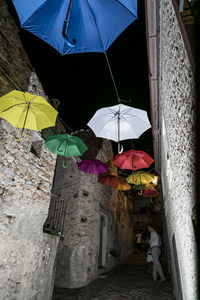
(127, 281)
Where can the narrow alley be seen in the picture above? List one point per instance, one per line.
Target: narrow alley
(129, 280)
(99, 160)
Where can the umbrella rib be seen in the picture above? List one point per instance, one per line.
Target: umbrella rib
(13, 106)
(95, 23)
(35, 12)
(129, 116)
(125, 7)
(25, 108)
(107, 122)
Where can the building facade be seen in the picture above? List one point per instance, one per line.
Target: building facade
(98, 229)
(173, 96)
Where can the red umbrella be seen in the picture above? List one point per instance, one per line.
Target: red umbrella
(133, 160)
(110, 180)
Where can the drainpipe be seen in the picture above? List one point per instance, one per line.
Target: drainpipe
(152, 53)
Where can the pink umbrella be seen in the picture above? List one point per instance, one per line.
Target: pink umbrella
(151, 193)
(92, 166)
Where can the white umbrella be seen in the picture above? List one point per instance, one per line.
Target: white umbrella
(119, 122)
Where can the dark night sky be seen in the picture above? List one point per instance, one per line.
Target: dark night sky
(83, 84)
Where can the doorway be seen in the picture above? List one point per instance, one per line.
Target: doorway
(103, 240)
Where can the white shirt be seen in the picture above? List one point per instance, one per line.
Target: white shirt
(154, 239)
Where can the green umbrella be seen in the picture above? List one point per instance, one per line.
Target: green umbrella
(66, 145)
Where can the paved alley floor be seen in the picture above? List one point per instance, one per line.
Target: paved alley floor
(129, 280)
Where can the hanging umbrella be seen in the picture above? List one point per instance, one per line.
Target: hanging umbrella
(133, 160)
(142, 187)
(92, 166)
(138, 178)
(77, 26)
(151, 193)
(110, 180)
(119, 122)
(66, 145)
(123, 187)
(24, 110)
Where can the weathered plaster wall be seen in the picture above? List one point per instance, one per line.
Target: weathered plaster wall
(177, 121)
(78, 253)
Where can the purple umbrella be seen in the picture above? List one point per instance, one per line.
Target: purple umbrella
(92, 166)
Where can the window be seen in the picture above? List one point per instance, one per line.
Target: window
(54, 223)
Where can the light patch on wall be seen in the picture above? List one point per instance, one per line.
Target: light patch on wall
(169, 172)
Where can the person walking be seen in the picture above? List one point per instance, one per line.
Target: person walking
(155, 243)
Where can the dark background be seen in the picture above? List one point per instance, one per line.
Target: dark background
(83, 84)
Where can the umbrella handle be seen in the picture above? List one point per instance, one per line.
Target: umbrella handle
(65, 165)
(72, 43)
(22, 133)
(120, 149)
(21, 137)
(59, 148)
(140, 192)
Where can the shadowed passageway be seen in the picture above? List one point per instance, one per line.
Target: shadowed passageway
(129, 280)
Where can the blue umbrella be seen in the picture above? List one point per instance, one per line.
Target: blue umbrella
(76, 26)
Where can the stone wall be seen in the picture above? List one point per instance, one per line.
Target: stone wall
(15, 68)
(27, 255)
(177, 122)
(92, 210)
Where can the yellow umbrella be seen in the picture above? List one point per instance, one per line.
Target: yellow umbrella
(24, 110)
(140, 177)
(143, 187)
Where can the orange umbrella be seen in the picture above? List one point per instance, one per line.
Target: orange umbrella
(123, 187)
(110, 180)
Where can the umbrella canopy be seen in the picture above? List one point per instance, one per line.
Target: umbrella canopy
(92, 166)
(66, 145)
(133, 160)
(75, 26)
(25, 110)
(138, 178)
(110, 180)
(142, 187)
(119, 122)
(151, 193)
(123, 187)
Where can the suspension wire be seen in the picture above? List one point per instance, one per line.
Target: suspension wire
(113, 80)
(69, 128)
(12, 66)
(10, 79)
